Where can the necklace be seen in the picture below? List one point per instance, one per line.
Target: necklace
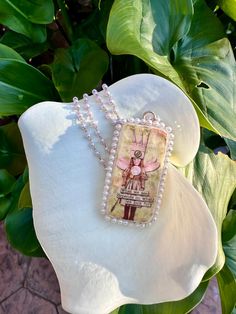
(136, 163)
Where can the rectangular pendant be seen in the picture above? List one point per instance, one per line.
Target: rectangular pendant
(136, 172)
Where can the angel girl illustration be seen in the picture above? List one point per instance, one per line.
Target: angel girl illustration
(133, 193)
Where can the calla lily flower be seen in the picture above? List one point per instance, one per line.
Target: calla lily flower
(101, 265)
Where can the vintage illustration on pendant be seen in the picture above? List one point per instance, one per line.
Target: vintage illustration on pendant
(136, 182)
(138, 160)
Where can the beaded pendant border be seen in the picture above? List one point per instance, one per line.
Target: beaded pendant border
(136, 170)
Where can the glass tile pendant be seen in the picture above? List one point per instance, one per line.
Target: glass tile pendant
(136, 171)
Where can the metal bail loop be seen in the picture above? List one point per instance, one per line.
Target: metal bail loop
(149, 115)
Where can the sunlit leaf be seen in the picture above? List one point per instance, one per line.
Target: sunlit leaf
(187, 48)
(214, 177)
(229, 7)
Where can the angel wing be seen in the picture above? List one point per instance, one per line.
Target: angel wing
(151, 165)
(122, 163)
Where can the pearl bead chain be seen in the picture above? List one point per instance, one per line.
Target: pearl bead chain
(87, 118)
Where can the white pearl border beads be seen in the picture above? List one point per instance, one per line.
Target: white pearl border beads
(107, 186)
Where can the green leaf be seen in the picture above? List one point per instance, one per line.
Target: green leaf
(184, 47)
(6, 182)
(227, 287)
(21, 234)
(37, 11)
(229, 226)
(12, 156)
(232, 147)
(23, 45)
(229, 237)
(214, 177)
(21, 86)
(78, 69)
(5, 205)
(8, 53)
(176, 307)
(232, 203)
(229, 7)
(25, 197)
(13, 197)
(25, 16)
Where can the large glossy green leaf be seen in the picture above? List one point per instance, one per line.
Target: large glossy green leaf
(79, 68)
(21, 233)
(25, 47)
(229, 240)
(9, 53)
(25, 16)
(227, 287)
(12, 156)
(229, 7)
(176, 307)
(214, 177)
(187, 48)
(21, 86)
(6, 182)
(37, 11)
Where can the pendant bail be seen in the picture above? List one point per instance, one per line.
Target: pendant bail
(150, 115)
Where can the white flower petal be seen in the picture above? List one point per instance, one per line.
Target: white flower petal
(100, 265)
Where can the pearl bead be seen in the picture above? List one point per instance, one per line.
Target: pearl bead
(168, 129)
(104, 86)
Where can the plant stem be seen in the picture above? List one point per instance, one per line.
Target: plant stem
(66, 18)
